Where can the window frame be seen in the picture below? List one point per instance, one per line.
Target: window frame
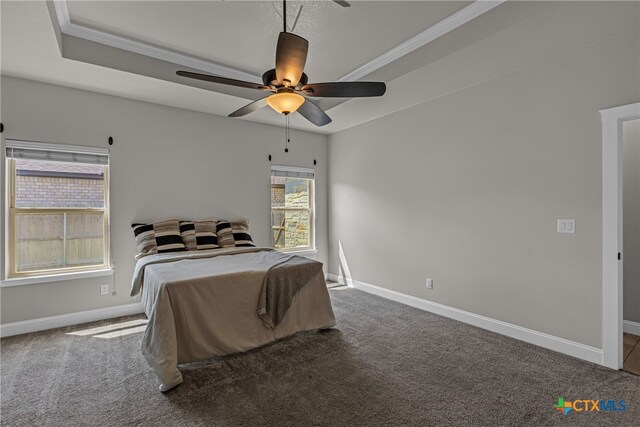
(12, 211)
(311, 209)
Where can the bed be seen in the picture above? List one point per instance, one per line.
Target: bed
(207, 303)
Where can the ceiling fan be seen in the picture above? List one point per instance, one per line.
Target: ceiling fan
(289, 85)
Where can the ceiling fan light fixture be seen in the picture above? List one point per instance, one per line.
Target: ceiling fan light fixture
(290, 84)
(285, 102)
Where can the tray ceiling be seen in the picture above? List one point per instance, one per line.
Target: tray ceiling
(422, 50)
(243, 34)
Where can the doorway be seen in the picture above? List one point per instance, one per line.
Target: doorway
(613, 123)
(631, 245)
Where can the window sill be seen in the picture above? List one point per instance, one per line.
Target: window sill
(301, 252)
(33, 280)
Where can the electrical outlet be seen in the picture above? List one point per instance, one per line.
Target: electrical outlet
(104, 289)
(429, 283)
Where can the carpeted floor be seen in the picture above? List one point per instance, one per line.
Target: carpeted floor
(384, 364)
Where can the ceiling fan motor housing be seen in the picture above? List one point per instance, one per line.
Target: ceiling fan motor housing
(269, 79)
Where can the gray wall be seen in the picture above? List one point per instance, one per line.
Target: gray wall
(631, 218)
(165, 162)
(466, 189)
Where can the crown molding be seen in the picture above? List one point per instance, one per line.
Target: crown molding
(62, 13)
(448, 24)
(86, 33)
(437, 30)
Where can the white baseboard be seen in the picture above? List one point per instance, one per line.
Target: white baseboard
(631, 327)
(561, 345)
(339, 279)
(44, 323)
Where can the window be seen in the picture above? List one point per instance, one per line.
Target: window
(292, 208)
(58, 208)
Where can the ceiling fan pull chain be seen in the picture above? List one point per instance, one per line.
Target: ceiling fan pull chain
(286, 135)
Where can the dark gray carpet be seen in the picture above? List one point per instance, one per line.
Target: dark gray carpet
(385, 364)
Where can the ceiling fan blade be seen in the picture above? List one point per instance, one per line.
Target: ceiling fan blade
(291, 55)
(313, 113)
(250, 108)
(221, 80)
(342, 3)
(345, 89)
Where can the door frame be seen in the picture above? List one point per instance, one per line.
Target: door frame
(612, 264)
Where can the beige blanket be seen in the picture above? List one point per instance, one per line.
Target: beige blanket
(204, 304)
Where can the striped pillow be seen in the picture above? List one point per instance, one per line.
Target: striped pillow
(241, 236)
(225, 234)
(158, 237)
(188, 233)
(206, 237)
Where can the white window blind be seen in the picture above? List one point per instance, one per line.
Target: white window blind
(56, 152)
(292, 172)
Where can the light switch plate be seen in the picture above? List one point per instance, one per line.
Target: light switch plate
(567, 226)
